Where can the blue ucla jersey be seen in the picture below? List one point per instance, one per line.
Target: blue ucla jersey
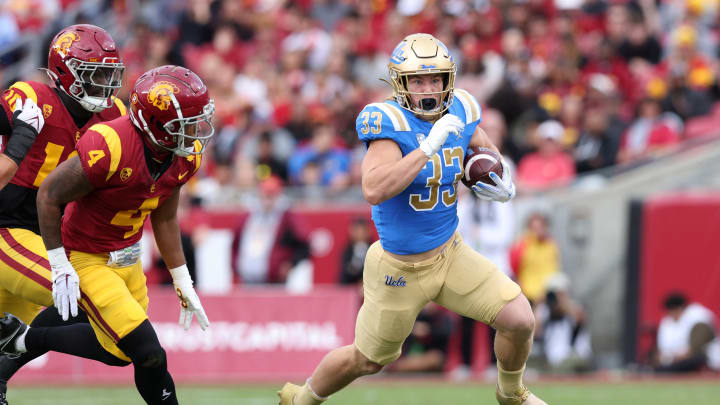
(424, 215)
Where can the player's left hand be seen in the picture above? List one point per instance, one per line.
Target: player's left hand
(29, 114)
(66, 283)
(502, 191)
(189, 300)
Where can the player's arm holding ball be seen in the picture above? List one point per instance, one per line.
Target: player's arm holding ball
(167, 235)
(386, 173)
(503, 189)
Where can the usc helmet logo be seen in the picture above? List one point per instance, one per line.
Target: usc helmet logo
(65, 41)
(159, 94)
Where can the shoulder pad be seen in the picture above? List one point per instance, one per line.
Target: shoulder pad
(25, 88)
(195, 160)
(113, 144)
(380, 121)
(469, 105)
(120, 105)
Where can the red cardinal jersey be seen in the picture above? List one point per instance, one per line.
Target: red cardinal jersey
(53, 145)
(111, 217)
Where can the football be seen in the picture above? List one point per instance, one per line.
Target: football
(478, 164)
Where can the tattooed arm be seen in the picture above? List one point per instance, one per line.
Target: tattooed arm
(64, 184)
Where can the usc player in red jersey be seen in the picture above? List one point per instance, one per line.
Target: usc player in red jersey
(124, 170)
(40, 124)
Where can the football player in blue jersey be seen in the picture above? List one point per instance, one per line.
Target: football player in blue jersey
(416, 147)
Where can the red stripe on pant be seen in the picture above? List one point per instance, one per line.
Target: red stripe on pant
(25, 271)
(93, 311)
(14, 244)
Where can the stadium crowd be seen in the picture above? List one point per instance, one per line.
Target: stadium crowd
(613, 81)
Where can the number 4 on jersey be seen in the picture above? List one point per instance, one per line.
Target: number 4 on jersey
(94, 156)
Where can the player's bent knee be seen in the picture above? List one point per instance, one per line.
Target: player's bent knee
(154, 359)
(143, 347)
(364, 365)
(516, 318)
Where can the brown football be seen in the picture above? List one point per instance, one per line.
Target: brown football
(479, 162)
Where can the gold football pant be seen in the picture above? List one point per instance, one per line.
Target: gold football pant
(25, 277)
(114, 299)
(458, 278)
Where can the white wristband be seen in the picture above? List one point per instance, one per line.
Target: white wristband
(57, 256)
(180, 273)
(427, 149)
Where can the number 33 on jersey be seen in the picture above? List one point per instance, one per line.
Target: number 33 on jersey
(434, 189)
(113, 160)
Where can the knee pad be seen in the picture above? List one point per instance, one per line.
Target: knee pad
(143, 347)
(149, 355)
(153, 359)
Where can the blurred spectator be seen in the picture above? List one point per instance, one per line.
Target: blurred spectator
(218, 189)
(640, 42)
(269, 243)
(425, 350)
(267, 163)
(353, 258)
(332, 162)
(651, 131)
(550, 165)
(561, 326)
(535, 258)
(687, 337)
(197, 27)
(598, 144)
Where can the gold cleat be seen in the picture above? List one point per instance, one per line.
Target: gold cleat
(287, 393)
(524, 398)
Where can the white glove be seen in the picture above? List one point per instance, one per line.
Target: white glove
(30, 114)
(189, 301)
(448, 124)
(66, 283)
(503, 190)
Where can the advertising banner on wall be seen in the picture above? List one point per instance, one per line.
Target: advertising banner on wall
(254, 334)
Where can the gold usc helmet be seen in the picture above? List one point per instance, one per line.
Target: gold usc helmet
(420, 54)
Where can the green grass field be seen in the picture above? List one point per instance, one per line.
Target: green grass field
(663, 392)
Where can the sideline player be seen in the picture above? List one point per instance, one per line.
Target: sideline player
(41, 125)
(125, 170)
(416, 145)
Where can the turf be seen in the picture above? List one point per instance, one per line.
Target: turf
(395, 393)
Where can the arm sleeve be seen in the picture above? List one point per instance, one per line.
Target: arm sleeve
(21, 140)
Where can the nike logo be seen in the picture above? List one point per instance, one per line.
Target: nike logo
(165, 394)
(180, 176)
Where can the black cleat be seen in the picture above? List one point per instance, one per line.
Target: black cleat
(10, 328)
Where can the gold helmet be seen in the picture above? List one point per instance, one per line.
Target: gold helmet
(420, 54)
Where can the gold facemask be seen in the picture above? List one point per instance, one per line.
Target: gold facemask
(419, 54)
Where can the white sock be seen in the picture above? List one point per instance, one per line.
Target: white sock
(20, 341)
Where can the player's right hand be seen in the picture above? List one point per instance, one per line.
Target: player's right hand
(448, 124)
(30, 114)
(66, 283)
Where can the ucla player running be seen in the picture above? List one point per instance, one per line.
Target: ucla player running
(416, 144)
